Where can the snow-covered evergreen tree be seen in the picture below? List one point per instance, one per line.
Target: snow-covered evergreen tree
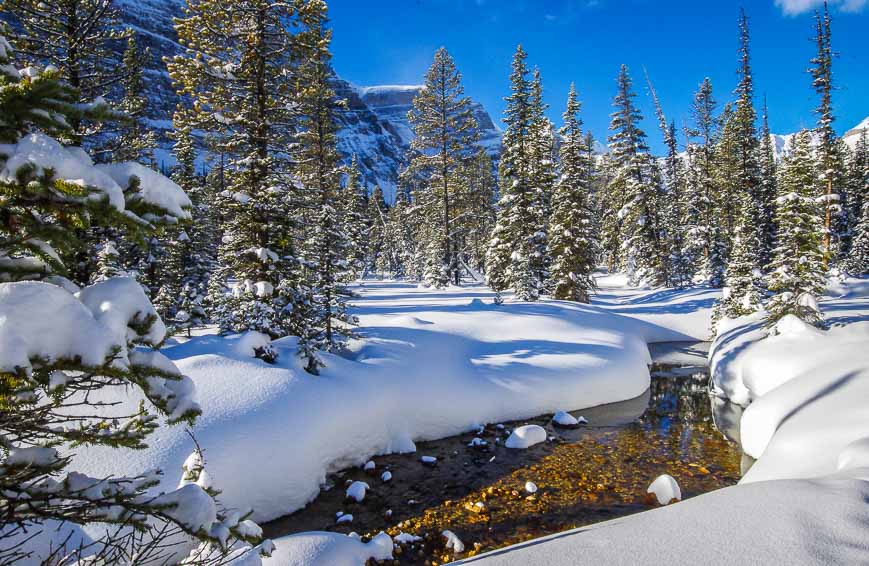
(445, 134)
(377, 213)
(768, 190)
(71, 378)
(328, 245)
(240, 69)
(743, 293)
(134, 141)
(636, 178)
(858, 256)
(704, 237)
(798, 270)
(542, 174)
(76, 37)
(509, 260)
(477, 211)
(829, 150)
(354, 205)
(571, 244)
(673, 215)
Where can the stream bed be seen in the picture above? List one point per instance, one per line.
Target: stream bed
(592, 473)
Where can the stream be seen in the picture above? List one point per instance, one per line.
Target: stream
(592, 473)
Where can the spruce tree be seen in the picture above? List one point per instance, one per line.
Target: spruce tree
(509, 260)
(134, 141)
(705, 240)
(69, 377)
(327, 245)
(637, 181)
(477, 212)
(798, 270)
(354, 204)
(768, 190)
(240, 69)
(829, 153)
(858, 256)
(673, 213)
(445, 134)
(377, 213)
(571, 243)
(77, 38)
(542, 174)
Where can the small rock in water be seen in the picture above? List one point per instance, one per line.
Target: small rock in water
(477, 443)
(666, 489)
(386, 476)
(369, 466)
(526, 436)
(530, 487)
(346, 518)
(499, 426)
(388, 513)
(357, 491)
(429, 460)
(476, 508)
(582, 420)
(453, 542)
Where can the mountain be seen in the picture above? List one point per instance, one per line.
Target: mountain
(781, 142)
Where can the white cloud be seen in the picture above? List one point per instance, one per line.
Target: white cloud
(795, 7)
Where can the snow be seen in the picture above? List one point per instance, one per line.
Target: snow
(406, 538)
(526, 436)
(356, 491)
(453, 542)
(804, 388)
(563, 418)
(249, 342)
(154, 189)
(665, 489)
(328, 549)
(40, 320)
(427, 364)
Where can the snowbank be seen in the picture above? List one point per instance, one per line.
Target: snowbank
(428, 364)
(807, 388)
(803, 522)
(328, 549)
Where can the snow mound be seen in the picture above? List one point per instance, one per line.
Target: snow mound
(666, 489)
(854, 455)
(526, 436)
(357, 490)
(562, 418)
(328, 549)
(250, 341)
(453, 542)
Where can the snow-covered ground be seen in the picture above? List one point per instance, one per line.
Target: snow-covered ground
(427, 364)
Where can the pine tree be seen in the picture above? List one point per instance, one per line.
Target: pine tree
(858, 256)
(768, 190)
(571, 243)
(377, 213)
(477, 212)
(680, 267)
(509, 263)
(798, 275)
(76, 37)
(445, 134)
(834, 198)
(240, 70)
(70, 379)
(636, 179)
(134, 141)
(742, 295)
(542, 173)
(705, 239)
(354, 200)
(327, 245)
(746, 150)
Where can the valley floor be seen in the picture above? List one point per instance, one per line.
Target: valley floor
(433, 363)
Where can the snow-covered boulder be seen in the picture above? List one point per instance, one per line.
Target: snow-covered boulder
(357, 490)
(665, 489)
(565, 420)
(526, 436)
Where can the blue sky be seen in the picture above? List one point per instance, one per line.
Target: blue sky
(585, 41)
